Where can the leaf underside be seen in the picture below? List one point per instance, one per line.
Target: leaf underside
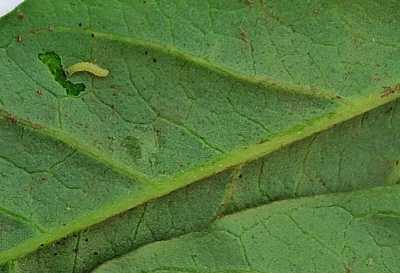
(229, 136)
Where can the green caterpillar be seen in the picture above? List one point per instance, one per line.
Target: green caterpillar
(88, 67)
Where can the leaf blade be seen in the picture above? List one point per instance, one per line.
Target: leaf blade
(311, 226)
(90, 123)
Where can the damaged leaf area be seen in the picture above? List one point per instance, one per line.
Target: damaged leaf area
(53, 61)
(204, 136)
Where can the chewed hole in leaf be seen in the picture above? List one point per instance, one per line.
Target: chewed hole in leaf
(53, 62)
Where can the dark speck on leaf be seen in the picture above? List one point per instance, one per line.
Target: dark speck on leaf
(92, 35)
(154, 60)
(80, 24)
(389, 110)
(20, 16)
(12, 119)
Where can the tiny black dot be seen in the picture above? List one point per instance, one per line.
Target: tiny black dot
(95, 253)
(145, 53)
(55, 254)
(80, 24)
(92, 35)
(240, 175)
(154, 60)
(41, 245)
(86, 240)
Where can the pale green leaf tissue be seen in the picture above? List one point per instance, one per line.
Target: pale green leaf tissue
(247, 136)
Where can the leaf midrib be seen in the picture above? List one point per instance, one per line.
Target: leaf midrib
(158, 188)
(261, 81)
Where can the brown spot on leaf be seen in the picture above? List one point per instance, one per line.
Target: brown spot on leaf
(20, 15)
(249, 2)
(12, 119)
(244, 36)
(388, 91)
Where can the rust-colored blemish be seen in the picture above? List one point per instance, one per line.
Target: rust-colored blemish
(388, 91)
(12, 119)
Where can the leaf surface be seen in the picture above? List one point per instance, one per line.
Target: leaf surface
(287, 236)
(209, 108)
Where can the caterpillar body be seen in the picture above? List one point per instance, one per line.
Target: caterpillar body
(88, 67)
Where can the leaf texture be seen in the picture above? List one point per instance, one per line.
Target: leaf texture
(210, 108)
(285, 237)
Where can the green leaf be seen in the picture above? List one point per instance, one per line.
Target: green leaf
(210, 108)
(316, 162)
(333, 233)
